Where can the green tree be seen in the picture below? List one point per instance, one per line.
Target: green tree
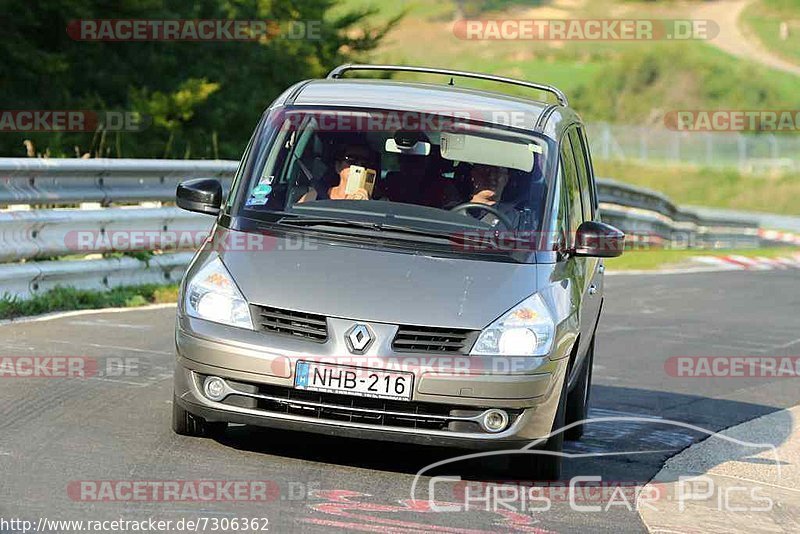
(201, 99)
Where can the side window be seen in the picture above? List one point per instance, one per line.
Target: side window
(584, 175)
(587, 151)
(561, 216)
(239, 176)
(571, 189)
(299, 145)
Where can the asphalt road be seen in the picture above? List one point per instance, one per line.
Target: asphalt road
(57, 432)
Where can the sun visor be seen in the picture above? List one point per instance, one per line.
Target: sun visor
(488, 151)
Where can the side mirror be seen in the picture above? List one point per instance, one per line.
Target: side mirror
(203, 195)
(598, 240)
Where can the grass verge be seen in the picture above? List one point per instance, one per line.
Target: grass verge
(68, 298)
(625, 82)
(714, 188)
(764, 18)
(647, 260)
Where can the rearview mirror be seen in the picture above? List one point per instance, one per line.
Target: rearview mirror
(420, 148)
(598, 240)
(203, 195)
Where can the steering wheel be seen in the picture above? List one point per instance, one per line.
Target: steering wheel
(484, 207)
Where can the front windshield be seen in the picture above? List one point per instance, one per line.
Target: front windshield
(448, 176)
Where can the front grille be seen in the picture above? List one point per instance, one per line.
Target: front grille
(337, 407)
(411, 338)
(304, 325)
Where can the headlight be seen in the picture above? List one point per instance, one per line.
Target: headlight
(211, 294)
(526, 330)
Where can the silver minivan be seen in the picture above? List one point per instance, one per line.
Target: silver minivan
(411, 262)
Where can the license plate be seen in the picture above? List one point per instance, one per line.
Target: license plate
(359, 381)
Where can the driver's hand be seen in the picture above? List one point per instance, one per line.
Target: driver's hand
(361, 194)
(310, 195)
(484, 197)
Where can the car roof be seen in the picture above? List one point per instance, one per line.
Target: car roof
(442, 99)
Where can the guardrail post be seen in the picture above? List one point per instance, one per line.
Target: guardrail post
(606, 142)
(741, 142)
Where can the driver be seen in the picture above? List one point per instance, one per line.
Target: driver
(488, 183)
(349, 155)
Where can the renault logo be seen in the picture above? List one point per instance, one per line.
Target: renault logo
(358, 338)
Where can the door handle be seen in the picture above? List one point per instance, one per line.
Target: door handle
(592, 289)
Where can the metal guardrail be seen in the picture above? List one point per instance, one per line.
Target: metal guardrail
(45, 232)
(59, 182)
(651, 217)
(26, 279)
(613, 192)
(52, 232)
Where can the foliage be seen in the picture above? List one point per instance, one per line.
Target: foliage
(201, 99)
(68, 298)
(642, 84)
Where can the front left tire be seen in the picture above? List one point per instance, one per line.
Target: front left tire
(578, 398)
(547, 466)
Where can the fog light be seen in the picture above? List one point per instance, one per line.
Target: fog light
(214, 388)
(494, 420)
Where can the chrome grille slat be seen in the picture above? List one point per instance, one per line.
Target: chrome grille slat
(432, 341)
(413, 338)
(409, 331)
(293, 323)
(306, 318)
(294, 327)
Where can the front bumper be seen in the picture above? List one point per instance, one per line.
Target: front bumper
(263, 366)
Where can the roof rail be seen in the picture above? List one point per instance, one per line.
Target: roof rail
(559, 94)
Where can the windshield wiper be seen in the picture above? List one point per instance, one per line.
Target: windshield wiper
(455, 237)
(297, 220)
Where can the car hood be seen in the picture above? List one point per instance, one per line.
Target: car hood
(366, 284)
